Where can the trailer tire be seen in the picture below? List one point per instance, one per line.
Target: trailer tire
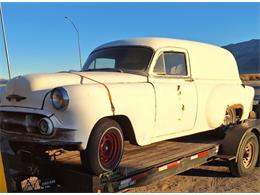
(247, 156)
(105, 148)
(258, 110)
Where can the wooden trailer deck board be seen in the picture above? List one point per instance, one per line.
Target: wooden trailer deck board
(138, 158)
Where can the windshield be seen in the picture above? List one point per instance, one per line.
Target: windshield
(121, 59)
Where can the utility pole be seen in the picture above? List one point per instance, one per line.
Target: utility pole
(5, 42)
(80, 61)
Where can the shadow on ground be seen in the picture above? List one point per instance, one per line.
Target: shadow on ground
(207, 170)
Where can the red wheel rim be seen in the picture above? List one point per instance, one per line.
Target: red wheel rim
(110, 148)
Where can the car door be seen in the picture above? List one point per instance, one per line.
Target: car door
(175, 91)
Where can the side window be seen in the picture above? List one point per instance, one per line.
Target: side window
(171, 63)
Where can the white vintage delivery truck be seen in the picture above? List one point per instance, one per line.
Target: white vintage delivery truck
(144, 90)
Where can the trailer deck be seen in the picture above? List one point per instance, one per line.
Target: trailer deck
(138, 163)
(136, 158)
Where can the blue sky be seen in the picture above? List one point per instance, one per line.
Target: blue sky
(41, 40)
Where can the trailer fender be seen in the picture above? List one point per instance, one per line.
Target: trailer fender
(234, 136)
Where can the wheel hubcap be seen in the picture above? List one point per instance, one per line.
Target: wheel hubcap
(248, 155)
(110, 149)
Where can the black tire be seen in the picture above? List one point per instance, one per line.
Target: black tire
(246, 161)
(14, 147)
(258, 162)
(105, 148)
(258, 110)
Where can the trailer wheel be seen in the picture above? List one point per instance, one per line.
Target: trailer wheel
(258, 110)
(247, 156)
(105, 148)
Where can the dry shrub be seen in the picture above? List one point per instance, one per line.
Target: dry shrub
(258, 77)
(244, 78)
(252, 77)
(249, 77)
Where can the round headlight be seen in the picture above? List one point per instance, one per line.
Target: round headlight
(59, 98)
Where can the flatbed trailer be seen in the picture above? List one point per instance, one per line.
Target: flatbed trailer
(139, 164)
(62, 170)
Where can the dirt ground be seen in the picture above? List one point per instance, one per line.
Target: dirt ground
(214, 177)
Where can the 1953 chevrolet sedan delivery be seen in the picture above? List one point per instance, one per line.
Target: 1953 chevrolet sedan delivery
(143, 90)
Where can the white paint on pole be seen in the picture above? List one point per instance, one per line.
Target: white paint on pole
(5, 42)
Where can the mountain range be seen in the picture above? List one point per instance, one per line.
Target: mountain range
(3, 81)
(247, 55)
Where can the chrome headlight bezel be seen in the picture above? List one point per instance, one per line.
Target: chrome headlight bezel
(59, 98)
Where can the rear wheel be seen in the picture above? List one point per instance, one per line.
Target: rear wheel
(230, 117)
(105, 148)
(247, 156)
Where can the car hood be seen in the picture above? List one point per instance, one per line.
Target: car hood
(35, 86)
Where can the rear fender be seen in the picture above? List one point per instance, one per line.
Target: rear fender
(223, 96)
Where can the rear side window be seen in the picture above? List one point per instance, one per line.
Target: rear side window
(171, 63)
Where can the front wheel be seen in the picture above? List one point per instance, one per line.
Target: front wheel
(247, 156)
(105, 148)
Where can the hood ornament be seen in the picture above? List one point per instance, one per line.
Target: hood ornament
(18, 98)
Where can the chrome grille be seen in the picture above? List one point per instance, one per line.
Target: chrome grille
(20, 122)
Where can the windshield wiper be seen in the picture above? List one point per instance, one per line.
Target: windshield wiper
(106, 69)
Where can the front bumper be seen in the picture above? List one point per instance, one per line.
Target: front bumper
(16, 127)
(62, 137)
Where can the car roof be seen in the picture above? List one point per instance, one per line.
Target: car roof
(207, 61)
(154, 42)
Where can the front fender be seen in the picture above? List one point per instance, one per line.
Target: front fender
(136, 101)
(88, 103)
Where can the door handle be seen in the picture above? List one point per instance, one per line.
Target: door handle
(178, 87)
(189, 80)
